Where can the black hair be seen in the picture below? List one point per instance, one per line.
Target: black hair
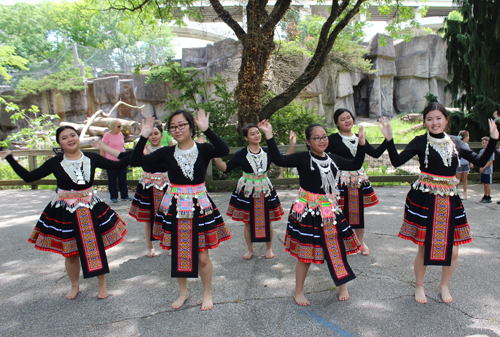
(436, 106)
(189, 118)
(339, 112)
(310, 128)
(247, 128)
(159, 126)
(61, 129)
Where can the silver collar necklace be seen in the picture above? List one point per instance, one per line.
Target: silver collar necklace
(186, 159)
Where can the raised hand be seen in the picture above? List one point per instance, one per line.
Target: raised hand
(361, 136)
(293, 138)
(385, 127)
(495, 115)
(147, 126)
(493, 128)
(5, 153)
(98, 144)
(201, 120)
(267, 128)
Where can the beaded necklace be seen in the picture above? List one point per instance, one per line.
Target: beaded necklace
(351, 142)
(443, 146)
(328, 180)
(186, 159)
(78, 170)
(258, 161)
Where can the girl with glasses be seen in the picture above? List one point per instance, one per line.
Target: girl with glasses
(355, 189)
(77, 224)
(254, 200)
(434, 216)
(316, 230)
(187, 221)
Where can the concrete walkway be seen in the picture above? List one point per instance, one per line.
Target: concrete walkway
(252, 298)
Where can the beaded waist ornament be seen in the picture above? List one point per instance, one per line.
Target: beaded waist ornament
(158, 180)
(254, 184)
(353, 179)
(71, 200)
(316, 204)
(185, 196)
(434, 184)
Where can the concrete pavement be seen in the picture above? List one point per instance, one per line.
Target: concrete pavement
(252, 298)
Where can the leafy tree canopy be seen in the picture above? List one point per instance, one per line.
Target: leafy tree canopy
(9, 59)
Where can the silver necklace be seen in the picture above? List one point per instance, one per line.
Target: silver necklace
(186, 159)
(351, 143)
(258, 161)
(443, 146)
(78, 170)
(328, 181)
(153, 148)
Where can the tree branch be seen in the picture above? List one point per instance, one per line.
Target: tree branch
(228, 19)
(325, 44)
(276, 15)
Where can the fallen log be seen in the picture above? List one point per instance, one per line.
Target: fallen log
(413, 128)
(92, 131)
(128, 127)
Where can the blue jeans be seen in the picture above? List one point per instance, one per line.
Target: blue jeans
(122, 181)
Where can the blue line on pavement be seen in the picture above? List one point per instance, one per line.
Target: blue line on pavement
(326, 323)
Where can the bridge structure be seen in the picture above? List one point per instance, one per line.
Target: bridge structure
(211, 28)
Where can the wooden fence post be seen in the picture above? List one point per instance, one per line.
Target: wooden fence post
(32, 162)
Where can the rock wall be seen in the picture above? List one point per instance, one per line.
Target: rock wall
(405, 72)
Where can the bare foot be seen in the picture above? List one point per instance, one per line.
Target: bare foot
(343, 293)
(445, 294)
(207, 304)
(71, 295)
(300, 299)
(420, 294)
(249, 255)
(180, 301)
(170, 252)
(269, 254)
(102, 294)
(151, 253)
(365, 250)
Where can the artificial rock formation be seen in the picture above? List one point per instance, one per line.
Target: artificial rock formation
(405, 72)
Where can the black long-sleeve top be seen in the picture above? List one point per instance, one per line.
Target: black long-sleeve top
(240, 159)
(435, 163)
(165, 155)
(337, 146)
(311, 180)
(64, 182)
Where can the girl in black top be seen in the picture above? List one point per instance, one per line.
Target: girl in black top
(77, 223)
(187, 221)
(434, 216)
(316, 229)
(254, 200)
(355, 189)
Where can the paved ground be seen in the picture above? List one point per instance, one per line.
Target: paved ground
(252, 298)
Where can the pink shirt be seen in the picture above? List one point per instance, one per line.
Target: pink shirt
(114, 141)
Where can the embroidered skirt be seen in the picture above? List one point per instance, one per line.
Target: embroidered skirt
(79, 223)
(435, 217)
(317, 231)
(255, 206)
(148, 197)
(356, 193)
(188, 222)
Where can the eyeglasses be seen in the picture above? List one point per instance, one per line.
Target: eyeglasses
(180, 127)
(319, 139)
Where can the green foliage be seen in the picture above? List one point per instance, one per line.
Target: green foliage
(40, 131)
(63, 81)
(8, 58)
(197, 92)
(431, 98)
(293, 117)
(473, 49)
